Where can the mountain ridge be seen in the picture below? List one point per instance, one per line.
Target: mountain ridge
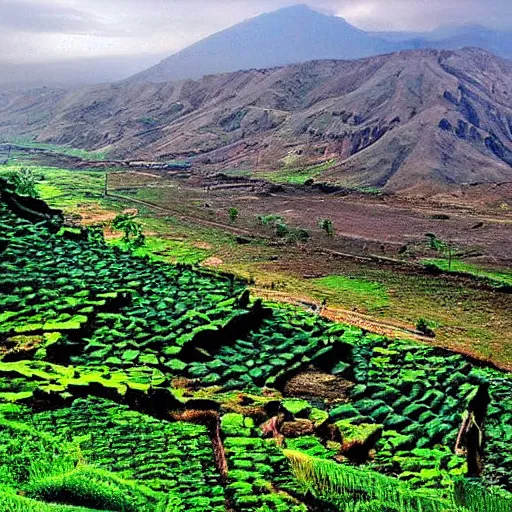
(298, 33)
(415, 121)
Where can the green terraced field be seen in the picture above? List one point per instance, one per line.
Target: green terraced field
(133, 385)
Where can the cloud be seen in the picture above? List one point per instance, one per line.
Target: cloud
(424, 14)
(22, 16)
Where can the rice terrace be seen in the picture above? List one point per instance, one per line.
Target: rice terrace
(271, 272)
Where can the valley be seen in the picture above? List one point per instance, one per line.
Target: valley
(155, 379)
(377, 260)
(283, 287)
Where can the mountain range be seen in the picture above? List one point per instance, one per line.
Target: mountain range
(416, 121)
(286, 36)
(299, 34)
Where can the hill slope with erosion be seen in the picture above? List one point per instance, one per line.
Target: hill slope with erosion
(409, 121)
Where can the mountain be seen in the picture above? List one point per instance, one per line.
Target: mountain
(417, 121)
(299, 34)
(286, 36)
(453, 37)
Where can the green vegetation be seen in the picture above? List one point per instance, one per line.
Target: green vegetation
(499, 278)
(327, 226)
(133, 235)
(233, 215)
(24, 182)
(358, 490)
(161, 249)
(135, 385)
(423, 326)
(372, 294)
(72, 191)
(27, 142)
(296, 176)
(281, 230)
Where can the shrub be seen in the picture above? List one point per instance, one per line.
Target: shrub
(233, 214)
(423, 327)
(132, 230)
(327, 226)
(24, 182)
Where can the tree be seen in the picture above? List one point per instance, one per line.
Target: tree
(233, 214)
(133, 235)
(423, 327)
(438, 245)
(327, 226)
(24, 182)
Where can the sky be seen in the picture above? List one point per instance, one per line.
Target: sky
(39, 31)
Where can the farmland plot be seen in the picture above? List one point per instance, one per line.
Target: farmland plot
(134, 385)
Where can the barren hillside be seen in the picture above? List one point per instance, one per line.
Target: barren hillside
(416, 120)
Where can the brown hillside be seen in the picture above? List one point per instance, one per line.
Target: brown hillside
(409, 121)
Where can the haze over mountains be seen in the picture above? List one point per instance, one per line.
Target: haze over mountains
(74, 72)
(417, 121)
(299, 34)
(286, 36)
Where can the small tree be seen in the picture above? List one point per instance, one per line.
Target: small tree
(449, 251)
(438, 245)
(327, 226)
(434, 243)
(423, 327)
(24, 182)
(233, 215)
(133, 235)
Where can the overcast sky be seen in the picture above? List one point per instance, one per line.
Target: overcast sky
(45, 30)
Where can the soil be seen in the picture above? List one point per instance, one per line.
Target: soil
(314, 384)
(364, 224)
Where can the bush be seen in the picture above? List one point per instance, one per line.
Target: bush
(133, 235)
(24, 182)
(233, 214)
(327, 226)
(423, 327)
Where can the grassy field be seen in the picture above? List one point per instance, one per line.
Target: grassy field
(465, 317)
(130, 384)
(500, 277)
(295, 176)
(58, 149)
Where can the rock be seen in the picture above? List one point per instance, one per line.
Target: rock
(297, 428)
(356, 440)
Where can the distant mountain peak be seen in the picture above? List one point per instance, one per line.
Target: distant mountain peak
(289, 35)
(294, 8)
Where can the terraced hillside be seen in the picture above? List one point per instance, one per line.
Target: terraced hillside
(130, 385)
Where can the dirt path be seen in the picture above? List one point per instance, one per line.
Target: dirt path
(370, 324)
